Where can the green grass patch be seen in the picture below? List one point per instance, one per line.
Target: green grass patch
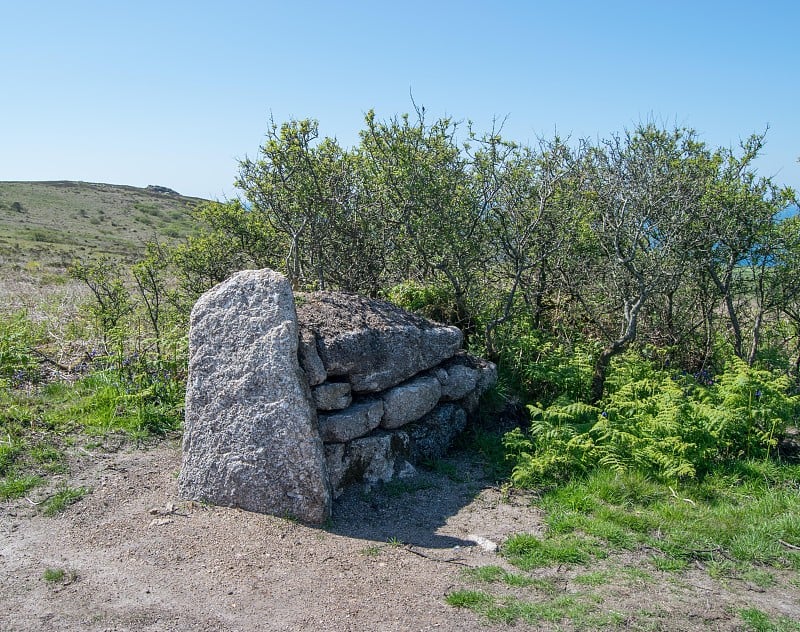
(49, 458)
(595, 578)
(8, 453)
(579, 610)
(108, 401)
(495, 574)
(529, 551)
(15, 486)
(474, 600)
(62, 499)
(757, 621)
(371, 551)
(54, 575)
(744, 512)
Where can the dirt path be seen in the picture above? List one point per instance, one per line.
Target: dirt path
(139, 558)
(384, 563)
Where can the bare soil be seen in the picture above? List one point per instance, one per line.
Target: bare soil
(137, 557)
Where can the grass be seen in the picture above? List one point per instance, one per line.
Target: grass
(50, 223)
(757, 621)
(576, 609)
(14, 485)
(371, 551)
(40, 424)
(745, 512)
(59, 576)
(54, 575)
(62, 499)
(529, 551)
(494, 574)
(595, 578)
(738, 524)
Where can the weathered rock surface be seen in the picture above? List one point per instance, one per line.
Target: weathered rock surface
(351, 423)
(332, 396)
(372, 459)
(250, 437)
(457, 380)
(376, 344)
(310, 361)
(431, 436)
(410, 400)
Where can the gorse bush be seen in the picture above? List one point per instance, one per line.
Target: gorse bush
(668, 424)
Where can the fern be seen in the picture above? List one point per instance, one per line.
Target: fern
(665, 424)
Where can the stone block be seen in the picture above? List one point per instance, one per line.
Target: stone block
(310, 361)
(351, 423)
(250, 435)
(431, 436)
(332, 396)
(376, 344)
(410, 401)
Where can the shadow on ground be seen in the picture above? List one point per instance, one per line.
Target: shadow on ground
(413, 511)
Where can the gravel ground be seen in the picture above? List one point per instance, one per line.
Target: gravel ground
(137, 557)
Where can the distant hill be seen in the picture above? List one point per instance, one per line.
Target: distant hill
(48, 224)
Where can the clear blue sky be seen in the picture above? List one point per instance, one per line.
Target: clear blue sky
(173, 93)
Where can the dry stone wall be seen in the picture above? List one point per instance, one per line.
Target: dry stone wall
(291, 398)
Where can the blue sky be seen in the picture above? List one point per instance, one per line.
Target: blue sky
(173, 93)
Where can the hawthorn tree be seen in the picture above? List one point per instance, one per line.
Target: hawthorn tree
(639, 193)
(416, 176)
(521, 193)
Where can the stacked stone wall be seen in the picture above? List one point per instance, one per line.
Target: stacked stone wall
(292, 397)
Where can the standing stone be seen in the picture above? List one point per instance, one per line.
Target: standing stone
(250, 438)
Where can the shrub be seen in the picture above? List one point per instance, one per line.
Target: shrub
(18, 362)
(668, 424)
(433, 301)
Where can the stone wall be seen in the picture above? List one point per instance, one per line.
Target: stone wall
(291, 398)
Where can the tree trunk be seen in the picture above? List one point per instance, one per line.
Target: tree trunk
(539, 297)
(751, 358)
(725, 290)
(601, 370)
(627, 336)
(737, 330)
(669, 318)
